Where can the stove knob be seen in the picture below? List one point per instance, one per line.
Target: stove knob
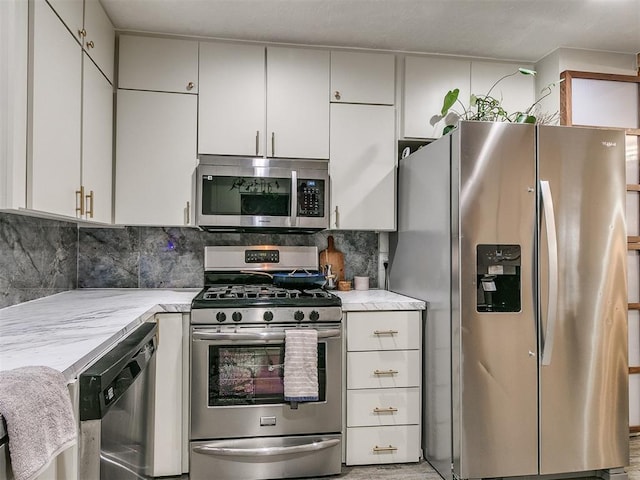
(268, 316)
(221, 316)
(314, 316)
(237, 316)
(298, 315)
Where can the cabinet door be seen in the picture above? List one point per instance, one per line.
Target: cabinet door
(297, 106)
(159, 64)
(55, 149)
(97, 141)
(363, 78)
(71, 12)
(231, 102)
(99, 41)
(362, 167)
(517, 92)
(155, 157)
(427, 81)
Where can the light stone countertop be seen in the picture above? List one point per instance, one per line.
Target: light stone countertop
(69, 330)
(361, 300)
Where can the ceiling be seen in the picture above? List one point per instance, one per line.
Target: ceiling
(520, 30)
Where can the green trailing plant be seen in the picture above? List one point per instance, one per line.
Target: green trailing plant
(488, 108)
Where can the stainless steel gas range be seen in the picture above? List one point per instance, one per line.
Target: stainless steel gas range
(241, 425)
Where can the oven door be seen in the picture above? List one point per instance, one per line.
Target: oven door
(248, 193)
(237, 384)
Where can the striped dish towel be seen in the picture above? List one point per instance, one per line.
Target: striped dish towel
(301, 365)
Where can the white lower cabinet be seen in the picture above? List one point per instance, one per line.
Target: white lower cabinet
(383, 378)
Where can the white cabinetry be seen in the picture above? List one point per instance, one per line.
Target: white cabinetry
(90, 25)
(383, 387)
(171, 386)
(155, 157)
(231, 112)
(426, 81)
(358, 77)
(156, 131)
(362, 167)
(158, 64)
(71, 128)
(269, 102)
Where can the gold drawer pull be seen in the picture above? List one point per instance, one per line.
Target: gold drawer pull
(385, 332)
(390, 448)
(385, 410)
(385, 372)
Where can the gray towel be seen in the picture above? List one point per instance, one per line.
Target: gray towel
(36, 405)
(301, 365)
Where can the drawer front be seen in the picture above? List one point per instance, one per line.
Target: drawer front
(388, 369)
(375, 445)
(383, 331)
(384, 406)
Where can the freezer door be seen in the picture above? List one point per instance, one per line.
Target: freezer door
(494, 330)
(583, 340)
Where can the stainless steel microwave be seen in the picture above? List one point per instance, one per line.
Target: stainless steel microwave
(236, 194)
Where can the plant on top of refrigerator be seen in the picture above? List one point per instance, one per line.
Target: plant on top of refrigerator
(488, 108)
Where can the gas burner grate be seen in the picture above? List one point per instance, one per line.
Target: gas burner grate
(226, 292)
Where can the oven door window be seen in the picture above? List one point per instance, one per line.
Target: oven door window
(253, 375)
(262, 196)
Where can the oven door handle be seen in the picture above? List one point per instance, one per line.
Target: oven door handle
(232, 336)
(266, 451)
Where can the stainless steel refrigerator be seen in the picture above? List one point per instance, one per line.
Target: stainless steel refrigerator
(515, 236)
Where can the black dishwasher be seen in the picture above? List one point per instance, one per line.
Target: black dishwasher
(116, 408)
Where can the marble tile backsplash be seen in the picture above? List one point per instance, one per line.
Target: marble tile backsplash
(40, 257)
(154, 257)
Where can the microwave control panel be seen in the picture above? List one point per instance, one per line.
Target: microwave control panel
(310, 198)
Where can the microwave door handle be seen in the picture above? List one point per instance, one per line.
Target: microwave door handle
(294, 198)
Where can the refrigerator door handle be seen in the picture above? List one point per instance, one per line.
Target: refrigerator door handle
(552, 281)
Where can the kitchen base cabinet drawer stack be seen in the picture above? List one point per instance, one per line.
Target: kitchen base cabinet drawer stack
(383, 387)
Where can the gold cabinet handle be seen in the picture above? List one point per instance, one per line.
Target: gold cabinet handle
(390, 448)
(188, 212)
(385, 410)
(385, 332)
(336, 213)
(80, 202)
(257, 141)
(89, 199)
(190, 85)
(82, 32)
(90, 44)
(385, 372)
(336, 95)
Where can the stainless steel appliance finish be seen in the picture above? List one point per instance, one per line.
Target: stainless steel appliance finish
(116, 408)
(247, 193)
(521, 257)
(241, 426)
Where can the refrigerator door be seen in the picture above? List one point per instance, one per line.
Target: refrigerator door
(583, 353)
(494, 391)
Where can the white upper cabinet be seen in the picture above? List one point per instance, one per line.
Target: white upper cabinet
(155, 157)
(55, 116)
(516, 92)
(427, 81)
(358, 77)
(263, 101)
(297, 107)
(231, 112)
(158, 64)
(90, 25)
(362, 167)
(97, 141)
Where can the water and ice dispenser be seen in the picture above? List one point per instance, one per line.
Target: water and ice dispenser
(498, 272)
